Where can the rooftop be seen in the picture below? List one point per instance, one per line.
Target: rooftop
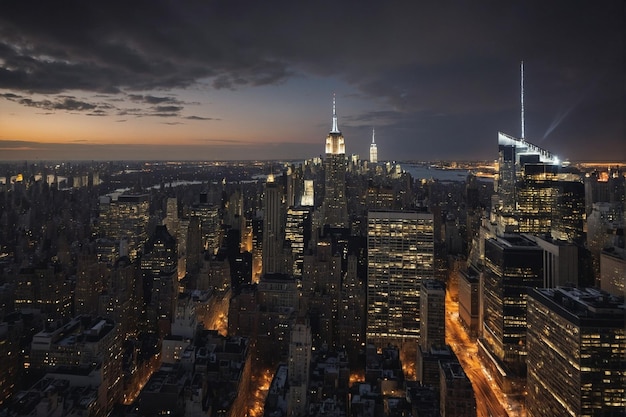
(586, 302)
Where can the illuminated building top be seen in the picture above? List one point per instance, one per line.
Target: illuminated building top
(335, 128)
(524, 148)
(335, 204)
(335, 143)
(373, 149)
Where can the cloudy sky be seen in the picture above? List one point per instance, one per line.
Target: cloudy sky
(254, 79)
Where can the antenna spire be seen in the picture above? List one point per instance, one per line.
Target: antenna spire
(522, 95)
(373, 135)
(335, 128)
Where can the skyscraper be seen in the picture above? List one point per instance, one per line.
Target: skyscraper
(550, 200)
(273, 227)
(125, 220)
(535, 193)
(432, 314)
(335, 206)
(308, 194)
(297, 235)
(513, 264)
(576, 353)
(210, 224)
(300, 343)
(469, 300)
(560, 261)
(613, 270)
(400, 255)
(373, 149)
(159, 267)
(513, 154)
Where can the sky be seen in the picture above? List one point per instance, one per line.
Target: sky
(250, 79)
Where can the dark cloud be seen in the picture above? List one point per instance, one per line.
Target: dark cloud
(376, 118)
(167, 109)
(148, 99)
(98, 112)
(65, 103)
(459, 61)
(200, 118)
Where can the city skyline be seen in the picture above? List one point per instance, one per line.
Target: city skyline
(225, 81)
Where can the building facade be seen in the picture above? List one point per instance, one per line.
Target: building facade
(400, 255)
(576, 353)
(125, 220)
(432, 314)
(335, 206)
(273, 227)
(513, 265)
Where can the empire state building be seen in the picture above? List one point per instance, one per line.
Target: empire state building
(335, 206)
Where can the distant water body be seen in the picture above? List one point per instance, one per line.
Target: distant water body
(419, 172)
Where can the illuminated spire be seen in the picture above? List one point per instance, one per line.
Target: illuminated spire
(373, 149)
(522, 96)
(334, 129)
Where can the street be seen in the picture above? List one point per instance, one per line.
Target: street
(489, 398)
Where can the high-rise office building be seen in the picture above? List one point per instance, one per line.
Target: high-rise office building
(43, 291)
(560, 261)
(159, 267)
(273, 227)
(432, 314)
(321, 290)
(535, 193)
(549, 200)
(298, 234)
(373, 149)
(603, 230)
(469, 284)
(352, 308)
(613, 270)
(300, 344)
(335, 206)
(605, 186)
(171, 219)
(84, 342)
(513, 153)
(308, 194)
(210, 224)
(513, 265)
(90, 281)
(125, 220)
(400, 255)
(576, 353)
(160, 257)
(193, 245)
(432, 349)
(568, 212)
(294, 186)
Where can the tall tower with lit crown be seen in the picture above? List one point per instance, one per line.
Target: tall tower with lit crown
(273, 227)
(373, 149)
(335, 205)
